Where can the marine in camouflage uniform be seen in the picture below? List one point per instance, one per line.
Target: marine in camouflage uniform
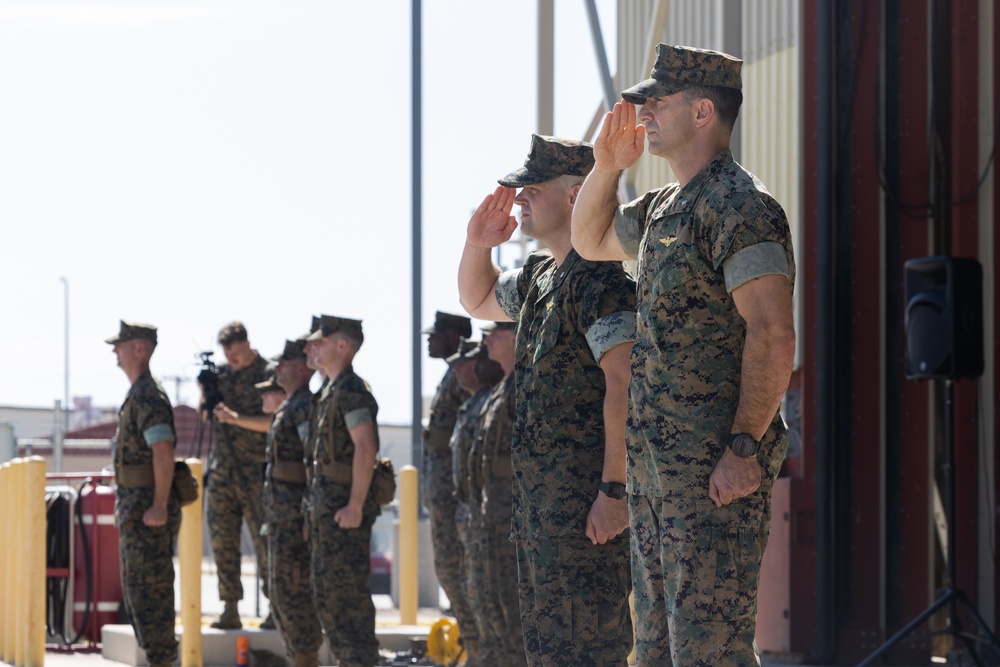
(439, 484)
(147, 512)
(236, 472)
(477, 374)
(576, 324)
(340, 507)
(712, 358)
(284, 484)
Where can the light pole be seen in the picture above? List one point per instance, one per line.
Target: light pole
(66, 353)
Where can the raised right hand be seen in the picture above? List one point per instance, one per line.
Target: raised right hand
(492, 223)
(621, 140)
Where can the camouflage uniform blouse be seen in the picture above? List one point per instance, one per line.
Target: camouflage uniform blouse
(491, 452)
(238, 392)
(343, 404)
(461, 442)
(569, 316)
(438, 480)
(145, 417)
(695, 245)
(286, 442)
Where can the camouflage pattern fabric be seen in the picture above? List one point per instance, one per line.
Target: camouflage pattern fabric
(499, 583)
(439, 491)
(571, 601)
(232, 484)
(145, 553)
(551, 157)
(680, 67)
(340, 558)
(689, 335)
(697, 568)
(341, 567)
(290, 587)
(569, 316)
(461, 440)
(288, 555)
(686, 377)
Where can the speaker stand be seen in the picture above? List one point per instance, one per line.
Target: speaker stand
(949, 595)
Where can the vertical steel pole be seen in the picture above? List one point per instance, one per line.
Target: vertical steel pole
(546, 66)
(417, 251)
(66, 408)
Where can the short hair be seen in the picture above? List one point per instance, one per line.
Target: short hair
(234, 332)
(726, 101)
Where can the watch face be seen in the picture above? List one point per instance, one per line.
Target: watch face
(743, 445)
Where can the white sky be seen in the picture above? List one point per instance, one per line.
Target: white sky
(191, 163)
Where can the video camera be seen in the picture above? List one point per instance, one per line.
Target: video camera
(208, 377)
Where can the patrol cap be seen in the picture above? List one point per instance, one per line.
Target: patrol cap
(294, 349)
(551, 157)
(234, 332)
(680, 67)
(132, 331)
(330, 324)
(478, 352)
(312, 328)
(269, 384)
(498, 326)
(464, 347)
(449, 322)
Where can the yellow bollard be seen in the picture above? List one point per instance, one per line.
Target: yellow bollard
(34, 567)
(189, 557)
(408, 545)
(20, 588)
(6, 561)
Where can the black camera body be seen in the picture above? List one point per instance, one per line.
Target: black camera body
(208, 377)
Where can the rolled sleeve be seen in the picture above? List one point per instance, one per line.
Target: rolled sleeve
(611, 331)
(158, 433)
(508, 295)
(357, 417)
(760, 259)
(629, 230)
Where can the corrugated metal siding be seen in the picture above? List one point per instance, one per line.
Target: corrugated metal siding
(767, 139)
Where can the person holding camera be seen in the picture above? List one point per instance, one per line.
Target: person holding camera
(236, 465)
(147, 514)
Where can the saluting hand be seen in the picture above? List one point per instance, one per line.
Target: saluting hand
(492, 223)
(621, 140)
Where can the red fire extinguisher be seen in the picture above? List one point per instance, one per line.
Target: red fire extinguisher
(98, 536)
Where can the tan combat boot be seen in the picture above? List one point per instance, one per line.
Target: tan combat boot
(310, 659)
(230, 619)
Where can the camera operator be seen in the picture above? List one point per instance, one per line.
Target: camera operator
(236, 467)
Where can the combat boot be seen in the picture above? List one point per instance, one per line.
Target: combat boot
(161, 664)
(230, 619)
(308, 659)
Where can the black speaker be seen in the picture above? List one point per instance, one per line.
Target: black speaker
(944, 318)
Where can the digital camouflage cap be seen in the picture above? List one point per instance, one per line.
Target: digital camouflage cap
(449, 322)
(133, 331)
(551, 157)
(465, 346)
(330, 324)
(294, 349)
(680, 67)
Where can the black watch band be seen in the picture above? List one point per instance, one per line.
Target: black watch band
(743, 445)
(614, 490)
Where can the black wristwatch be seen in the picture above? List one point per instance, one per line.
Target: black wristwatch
(743, 445)
(614, 490)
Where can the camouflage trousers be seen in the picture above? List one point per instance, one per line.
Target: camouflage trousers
(291, 593)
(341, 568)
(574, 601)
(502, 595)
(147, 570)
(227, 500)
(695, 570)
(449, 562)
(473, 539)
